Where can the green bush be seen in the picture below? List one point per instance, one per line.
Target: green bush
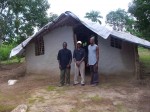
(144, 56)
(5, 51)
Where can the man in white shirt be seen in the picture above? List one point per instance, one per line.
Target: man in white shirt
(93, 58)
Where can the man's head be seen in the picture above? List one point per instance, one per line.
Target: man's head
(79, 43)
(92, 40)
(64, 44)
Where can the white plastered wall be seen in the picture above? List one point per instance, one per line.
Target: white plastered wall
(48, 63)
(116, 61)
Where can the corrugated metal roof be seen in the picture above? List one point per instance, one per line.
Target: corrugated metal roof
(131, 38)
(105, 32)
(20, 48)
(95, 27)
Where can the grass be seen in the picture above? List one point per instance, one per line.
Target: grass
(59, 90)
(90, 100)
(11, 61)
(144, 55)
(10, 101)
(121, 108)
(41, 99)
(36, 99)
(6, 108)
(105, 85)
(31, 100)
(96, 98)
(1, 97)
(74, 110)
(50, 88)
(78, 106)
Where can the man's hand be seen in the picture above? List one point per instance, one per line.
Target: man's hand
(68, 66)
(77, 63)
(59, 66)
(96, 65)
(87, 64)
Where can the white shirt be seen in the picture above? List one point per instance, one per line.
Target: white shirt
(92, 54)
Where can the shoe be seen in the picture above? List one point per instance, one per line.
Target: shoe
(75, 84)
(67, 84)
(82, 84)
(94, 85)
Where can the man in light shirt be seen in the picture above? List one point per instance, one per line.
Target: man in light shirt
(93, 59)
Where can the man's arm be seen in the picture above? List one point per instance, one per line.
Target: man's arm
(70, 56)
(83, 56)
(74, 56)
(97, 54)
(58, 58)
(88, 57)
(70, 59)
(58, 61)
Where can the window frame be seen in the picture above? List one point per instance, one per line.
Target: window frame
(116, 42)
(39, 46)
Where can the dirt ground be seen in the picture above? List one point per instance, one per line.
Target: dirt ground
(42, 94)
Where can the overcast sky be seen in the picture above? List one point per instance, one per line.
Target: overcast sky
(80, 7)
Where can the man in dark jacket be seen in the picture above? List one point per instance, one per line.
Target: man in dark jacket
(79, 56)
(64, 59)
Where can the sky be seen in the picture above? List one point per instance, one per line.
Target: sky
(80, 7)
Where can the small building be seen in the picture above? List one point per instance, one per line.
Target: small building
(118, 50)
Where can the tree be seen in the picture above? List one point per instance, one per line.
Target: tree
(120, 19)
(19, 18)
(140, 9)
(93, 16)
(52, 17)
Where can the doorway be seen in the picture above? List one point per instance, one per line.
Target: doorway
(83, 34)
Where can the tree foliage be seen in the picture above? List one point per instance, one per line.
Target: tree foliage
(52, 17)
(18, 18)
(94, 16)
(120, 19)
(140, 9)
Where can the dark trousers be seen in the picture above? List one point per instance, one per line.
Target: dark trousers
(94, 74)
(65, 75)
